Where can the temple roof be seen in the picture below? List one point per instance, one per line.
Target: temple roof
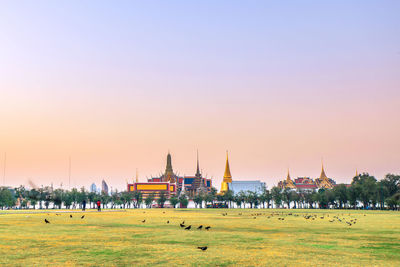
(323, 175)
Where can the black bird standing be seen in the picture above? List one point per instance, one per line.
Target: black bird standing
(167, 221)
(188, 228)
(202, 248)
(144, 221)
(182, 225)
(70, 215)
(46, 221)
(83, 216)
(208, 227)
(201, 226)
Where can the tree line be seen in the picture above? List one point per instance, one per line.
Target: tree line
(365, 192)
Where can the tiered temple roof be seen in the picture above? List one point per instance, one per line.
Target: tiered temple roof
(306, 183)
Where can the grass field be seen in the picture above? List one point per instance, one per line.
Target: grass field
(239, 238)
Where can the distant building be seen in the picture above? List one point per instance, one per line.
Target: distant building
(104, 187)
(254, 186)
(308, 184)
(93, 188)
(172, 184)
(236, 186)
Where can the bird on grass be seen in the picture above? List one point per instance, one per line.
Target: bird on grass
(208, 227)
(188, 228)
(183, 222)
(201, 226)
(202, 248)
(167, 221)
(83, 216)
(182, 225)
(70, 215)
(143, 221)
(46, 221)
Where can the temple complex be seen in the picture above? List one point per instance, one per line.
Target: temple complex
(172, 184)
(308, 184)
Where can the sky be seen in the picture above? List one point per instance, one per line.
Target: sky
(115, 85)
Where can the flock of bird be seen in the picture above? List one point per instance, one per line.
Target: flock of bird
(188, 227)
(312, 217)
(57, 214)
(280, 216)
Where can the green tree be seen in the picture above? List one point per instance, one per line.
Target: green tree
(252, 199)
(276, 196)
(149, 200)
(125, 198)
(7, 199)
(34, 197)
(162, 198)
(394, 201)
(341, 195)
(228, 197)
(174, 201)
(295, 197)
(367, 188)
(208, 198)
(105, 199)
(68, 199)
(57, 197)
(198, 200)
(286, 196)
(91, 198)
(213, 193)
(183, 201)
(137, 198)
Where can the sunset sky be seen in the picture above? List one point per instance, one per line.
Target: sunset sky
(116, 84)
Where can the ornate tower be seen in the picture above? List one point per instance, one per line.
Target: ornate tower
(169, 175)
(227, 176)
(323, 181)
(289, 182)
(198, 184)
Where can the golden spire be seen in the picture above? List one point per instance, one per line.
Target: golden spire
(288, 175)
(137, 176)
(356, 173)
(323, 175)
(227, 174)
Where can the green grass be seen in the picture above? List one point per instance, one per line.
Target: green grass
(121, 239)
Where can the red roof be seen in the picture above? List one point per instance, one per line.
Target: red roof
(306, 186)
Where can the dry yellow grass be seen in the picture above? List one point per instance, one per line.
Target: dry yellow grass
(121, 239)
